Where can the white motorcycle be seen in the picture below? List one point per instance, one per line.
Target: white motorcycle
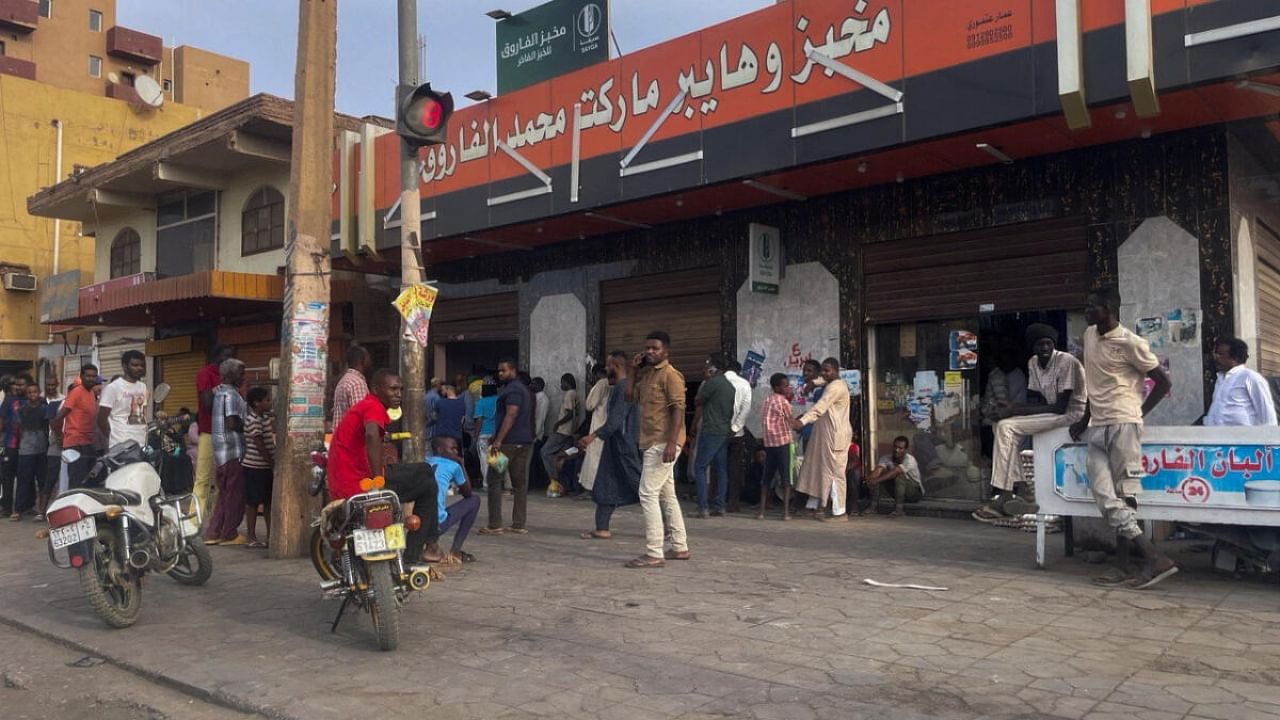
(122, 526)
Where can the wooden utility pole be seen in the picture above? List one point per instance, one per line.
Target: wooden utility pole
(305, 332)
(412, 356)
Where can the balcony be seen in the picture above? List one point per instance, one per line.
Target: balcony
(120, 91)
(134, 46)
(18, 16)
(20, 68)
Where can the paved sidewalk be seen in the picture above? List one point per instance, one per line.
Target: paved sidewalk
(769, 620)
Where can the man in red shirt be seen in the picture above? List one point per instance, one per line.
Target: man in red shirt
(356, 453)
(75, 422)
(207, 379)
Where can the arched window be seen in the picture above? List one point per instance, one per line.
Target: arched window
(126, 253)
(262, 222)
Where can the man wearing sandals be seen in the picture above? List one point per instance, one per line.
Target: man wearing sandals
(515, 440)
(658, 390)
(1115, 363)
(462, 514)
(1057, 378)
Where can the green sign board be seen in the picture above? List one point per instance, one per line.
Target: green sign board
(550, 40)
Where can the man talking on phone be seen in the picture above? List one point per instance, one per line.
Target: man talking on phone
(658, 390)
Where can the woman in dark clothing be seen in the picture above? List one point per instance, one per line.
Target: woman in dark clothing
(618, 475)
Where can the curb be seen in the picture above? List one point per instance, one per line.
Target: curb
(213, 697)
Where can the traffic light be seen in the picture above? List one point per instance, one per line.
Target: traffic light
(422, 117)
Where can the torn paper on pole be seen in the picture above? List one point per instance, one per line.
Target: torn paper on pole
(415, 303)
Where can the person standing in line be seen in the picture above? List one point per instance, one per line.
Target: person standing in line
(122, 409)
(208, 379)
(617, 474)
(352, 387)
(433, 405)
(597, 403)
(31, 452)
(228, 414)
(1057, 379)
(541, 407)
(822, 474)
(452, 411)
(1116, 361)
(737, 455)
(562, 433)
(1240, 396)
(712, 416)
(75, 423)
(658, 391)
(514, 439)
(53, 455)
(484, 425)
(10, 420)
(809, 394)
(259, 462)
(778, 438)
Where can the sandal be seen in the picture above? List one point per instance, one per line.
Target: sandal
(39, 517)
(257, 544)
(674, 555)
(517, 531)
(594, 535)
(491, 531)
(644, 561)
(1145, 580)
(465, 557)
(986, 514)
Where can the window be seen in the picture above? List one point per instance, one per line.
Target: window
(45, 8)
(167, 85)
(126, 254)
(95, 21)
(186, 226)
(129, 79)
(95, 66)
(262, 221)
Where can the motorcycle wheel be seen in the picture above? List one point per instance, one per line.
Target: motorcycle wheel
(383, 606)
(116, 603)
(196, 564)
(320, 556)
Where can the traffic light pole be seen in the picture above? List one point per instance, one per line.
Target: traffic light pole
(305, 330)
(412, 355)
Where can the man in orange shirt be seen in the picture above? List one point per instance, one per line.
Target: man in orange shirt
(75, 423)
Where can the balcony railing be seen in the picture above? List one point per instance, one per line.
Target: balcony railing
(120, 91)
(18, 16)
(135, 46)
(19, 68)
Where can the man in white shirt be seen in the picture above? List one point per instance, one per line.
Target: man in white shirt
(1241, 396)
(737, 432)
(122, 409)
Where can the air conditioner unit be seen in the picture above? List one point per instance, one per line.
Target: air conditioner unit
(23, 282)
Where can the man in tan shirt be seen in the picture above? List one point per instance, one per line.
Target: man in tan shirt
(658, 390)
(1115, 363)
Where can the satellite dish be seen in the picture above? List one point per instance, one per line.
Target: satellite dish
(149, 90)
(161, 392)
(113, 78)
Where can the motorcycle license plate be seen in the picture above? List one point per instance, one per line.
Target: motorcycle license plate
(374, 541)
(68, 535)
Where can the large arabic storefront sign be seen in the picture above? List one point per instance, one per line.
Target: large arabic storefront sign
(794, 83)
(550, 40)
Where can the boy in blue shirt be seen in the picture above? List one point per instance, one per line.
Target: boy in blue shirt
(446, 462)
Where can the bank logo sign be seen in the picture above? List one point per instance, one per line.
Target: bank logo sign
(766, 259)
(549, 40)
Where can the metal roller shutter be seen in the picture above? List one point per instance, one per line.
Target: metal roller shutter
(484, 317)
(1268, 282)
(109, 356)
(180, 372)
(685, 304)
(1032, 266)
(257, 360)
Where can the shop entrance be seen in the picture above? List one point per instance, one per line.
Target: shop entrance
(471, 358)
(937, 383)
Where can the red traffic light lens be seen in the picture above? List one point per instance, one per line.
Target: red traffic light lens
(430, 114)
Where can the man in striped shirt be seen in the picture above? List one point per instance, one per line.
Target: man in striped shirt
(776, 415)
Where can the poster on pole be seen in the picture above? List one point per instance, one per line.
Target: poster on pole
(309, 357)
(415, 304)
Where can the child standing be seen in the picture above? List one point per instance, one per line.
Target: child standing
(32, 446)
(777, 443)
(259, 462)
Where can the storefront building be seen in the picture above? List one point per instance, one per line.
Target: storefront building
(941, 174)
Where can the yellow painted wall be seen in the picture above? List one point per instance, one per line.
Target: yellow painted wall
(95, 130)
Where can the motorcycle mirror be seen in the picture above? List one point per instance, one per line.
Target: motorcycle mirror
(161, 392)
(69, 456)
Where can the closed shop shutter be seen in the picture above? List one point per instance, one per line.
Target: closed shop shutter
(257, 361)
(180, 371)
(1268, 281)
(1032, 266)
(484, 317)
(109, 357)
(685, 305)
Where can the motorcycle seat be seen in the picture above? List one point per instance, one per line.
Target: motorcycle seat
(110, 497)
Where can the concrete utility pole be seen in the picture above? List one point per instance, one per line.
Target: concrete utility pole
(412, 355)
(305, 333)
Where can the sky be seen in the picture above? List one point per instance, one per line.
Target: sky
(459, 38)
